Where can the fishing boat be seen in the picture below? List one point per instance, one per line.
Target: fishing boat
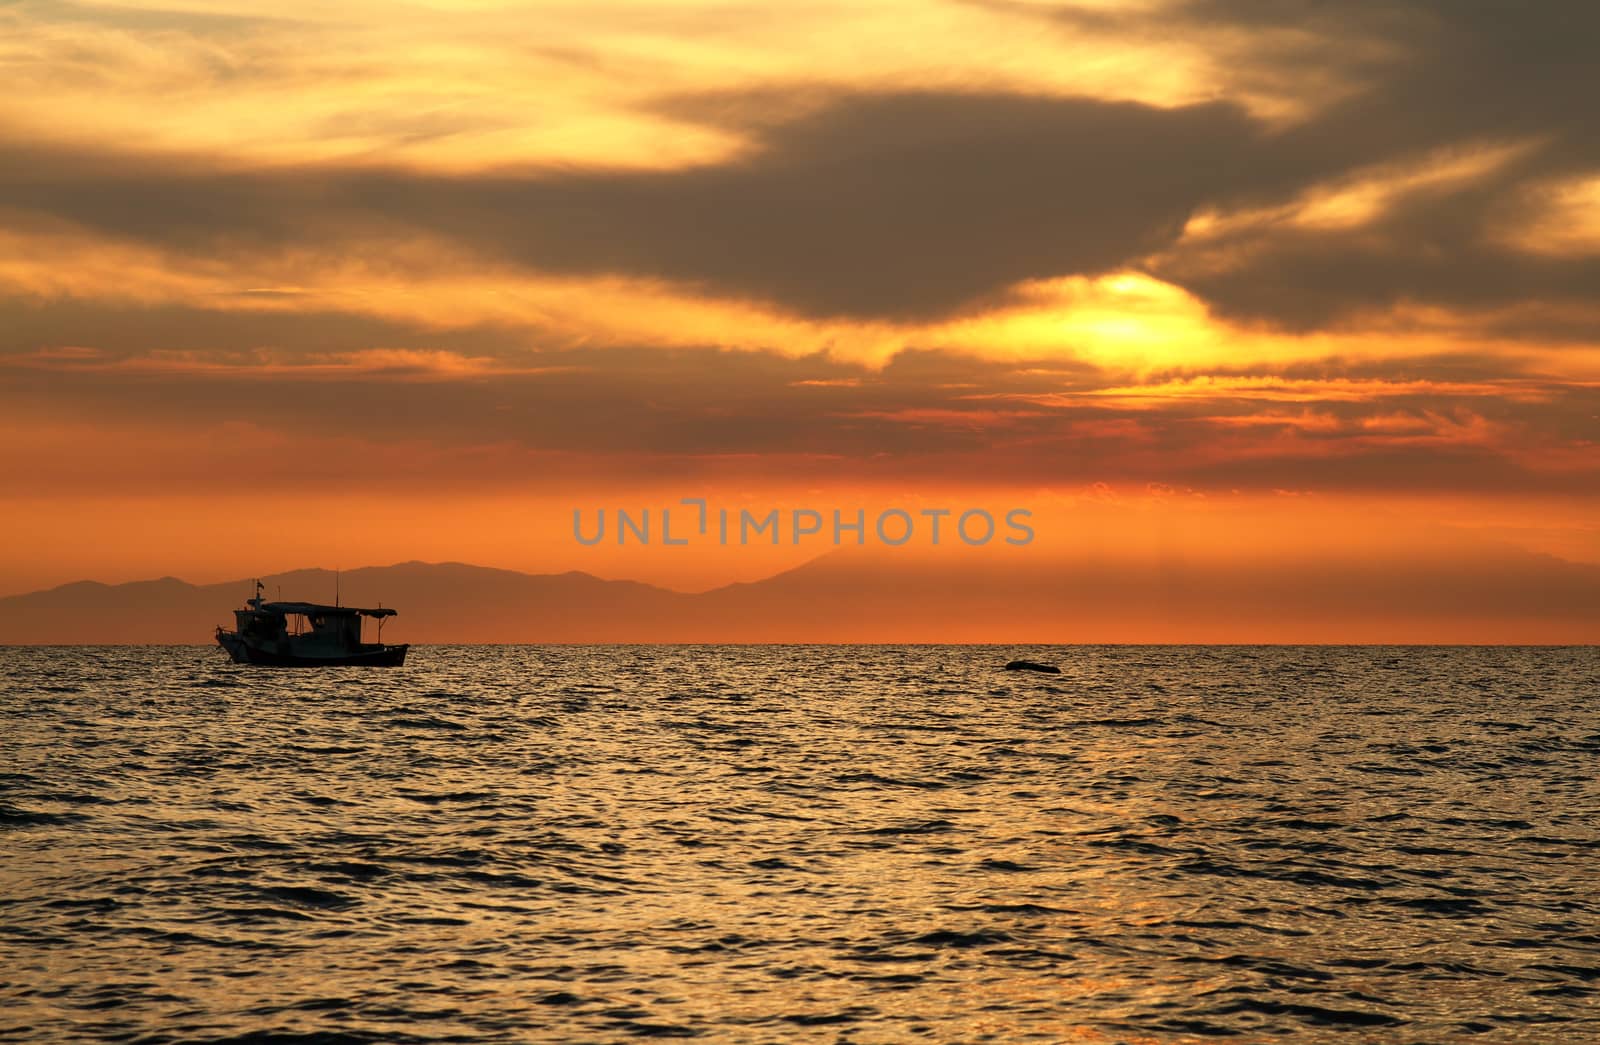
(306, 635)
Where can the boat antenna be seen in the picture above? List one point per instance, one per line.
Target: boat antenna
(336, 585)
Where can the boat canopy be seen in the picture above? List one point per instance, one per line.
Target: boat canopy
(315, 609)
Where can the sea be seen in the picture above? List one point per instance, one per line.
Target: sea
(802, 844)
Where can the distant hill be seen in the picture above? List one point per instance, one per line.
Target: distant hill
(1502, 595)
(438, 602)
(1494, 595)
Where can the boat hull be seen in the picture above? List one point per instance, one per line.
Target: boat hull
(244, 653)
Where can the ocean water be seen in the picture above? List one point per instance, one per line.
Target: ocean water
(833, 844)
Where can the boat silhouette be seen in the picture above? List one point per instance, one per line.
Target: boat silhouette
(306, 635)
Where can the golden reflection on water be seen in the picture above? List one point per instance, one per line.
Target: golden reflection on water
(773, 843)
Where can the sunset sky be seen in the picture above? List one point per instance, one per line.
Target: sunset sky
(357, 283)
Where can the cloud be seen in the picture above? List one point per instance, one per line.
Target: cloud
(118, 329)
(1414, 79)
(430, 411)
(1359, 97)
(895, 205)
(877, 201)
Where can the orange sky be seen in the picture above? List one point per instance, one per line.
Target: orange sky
(358, 283)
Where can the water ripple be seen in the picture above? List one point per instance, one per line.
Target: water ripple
(801, 843)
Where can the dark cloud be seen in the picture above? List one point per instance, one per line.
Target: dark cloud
(917, 204)
(1409, 81)
(670, 407)
(212, 330)
(889, 205)
(1420, 77)
(894, 205)
(1314, 279)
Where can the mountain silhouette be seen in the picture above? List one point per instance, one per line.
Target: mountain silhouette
(963, 595)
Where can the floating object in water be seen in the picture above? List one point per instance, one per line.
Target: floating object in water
(1028, 665)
